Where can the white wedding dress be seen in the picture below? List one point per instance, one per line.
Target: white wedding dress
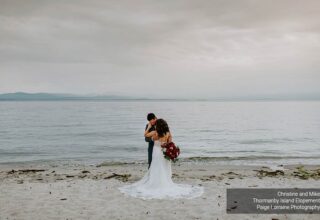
(157, 182)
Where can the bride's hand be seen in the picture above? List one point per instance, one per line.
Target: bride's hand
(169, 138)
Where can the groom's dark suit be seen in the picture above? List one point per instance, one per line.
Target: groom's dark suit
(151, 144)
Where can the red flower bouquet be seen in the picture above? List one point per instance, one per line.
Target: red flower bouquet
(170, 151)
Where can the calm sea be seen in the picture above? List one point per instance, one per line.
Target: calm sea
(99, 131)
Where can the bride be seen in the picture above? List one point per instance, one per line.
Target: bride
(157, 182)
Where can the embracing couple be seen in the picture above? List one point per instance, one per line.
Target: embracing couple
(150, 130)
(157, 182)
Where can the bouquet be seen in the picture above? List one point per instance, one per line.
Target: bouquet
(170, 151)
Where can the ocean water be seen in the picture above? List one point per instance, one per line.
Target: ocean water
(100, 131)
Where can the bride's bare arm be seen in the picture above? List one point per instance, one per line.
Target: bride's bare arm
(155, 136)
(149, 134)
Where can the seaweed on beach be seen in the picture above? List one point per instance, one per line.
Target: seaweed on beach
(122, 177)
(304, 174)
(264, 173)
(208, 178)
(113, 163)
(25, 171)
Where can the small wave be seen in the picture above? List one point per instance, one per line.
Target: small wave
(187, 159)
(209, 131)
(266, 141)
(22, 153)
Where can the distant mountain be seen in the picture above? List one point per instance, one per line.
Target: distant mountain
(22, 96)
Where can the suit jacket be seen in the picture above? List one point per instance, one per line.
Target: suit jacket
(148, 139)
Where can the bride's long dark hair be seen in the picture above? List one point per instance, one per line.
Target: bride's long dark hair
(162, 127)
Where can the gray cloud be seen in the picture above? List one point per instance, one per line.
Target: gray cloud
(160, 48)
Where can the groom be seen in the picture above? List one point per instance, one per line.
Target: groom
(152, 121)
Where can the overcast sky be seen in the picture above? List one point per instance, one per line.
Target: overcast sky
(162, 48)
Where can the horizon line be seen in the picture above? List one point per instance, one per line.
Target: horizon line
(15, 96)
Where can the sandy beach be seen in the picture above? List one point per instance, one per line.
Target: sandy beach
(73, 191)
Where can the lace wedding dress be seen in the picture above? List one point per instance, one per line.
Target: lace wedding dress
(157, 182)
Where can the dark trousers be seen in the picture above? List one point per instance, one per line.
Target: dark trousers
(150, 149)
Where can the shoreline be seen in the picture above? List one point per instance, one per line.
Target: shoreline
(71, 165)
(222, 160)
(78, 191)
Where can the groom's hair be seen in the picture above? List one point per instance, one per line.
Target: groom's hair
(151, 116)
